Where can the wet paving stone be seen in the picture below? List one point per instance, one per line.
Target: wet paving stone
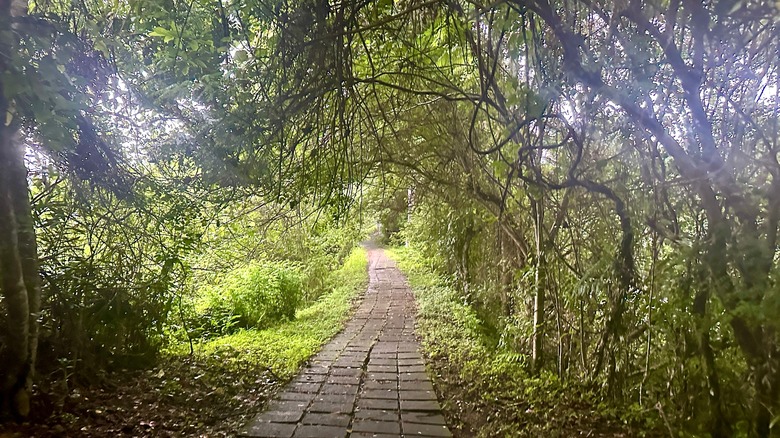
(340, 420)
(415, 356)
(413, 429)
(383, 376)
(316, 370)
(296, 396)
(418, 395)
(373, 435)
(422, 418)
(392, 427)
(343, 380)
(415, 386)
(339, 389)
(375, 403)
(311, 378)
(319, 431)
(350, 372)
(348, 363)
(374, 385)
(380, 394)
(304, 387)
(369, 381)
(411, 368)
(382, 368)
(414, 377)
(417, 405)
(378, 361)
(287, 405)
(279, 416)
(335, 398)
(376, 414)
(331, 408)
(269, 430)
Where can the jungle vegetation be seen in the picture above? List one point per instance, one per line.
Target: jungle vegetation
(597, 183)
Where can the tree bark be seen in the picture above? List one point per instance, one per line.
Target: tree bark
(20, 282)
(537, 352)
(16, 357)
(27, 247)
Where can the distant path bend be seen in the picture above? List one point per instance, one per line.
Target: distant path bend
(369, 381)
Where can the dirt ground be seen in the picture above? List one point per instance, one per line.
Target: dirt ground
(188, 396)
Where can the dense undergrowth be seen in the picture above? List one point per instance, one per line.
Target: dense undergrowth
(250, 280)
(211, 392)
(249, 297)
(283, 347)
(487, 390)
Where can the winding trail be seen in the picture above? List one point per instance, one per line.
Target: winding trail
(369, 381)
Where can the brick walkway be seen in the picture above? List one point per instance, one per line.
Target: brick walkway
(369, 381)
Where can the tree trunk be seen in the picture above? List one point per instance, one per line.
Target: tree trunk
(537, 352)
(18, 251)
(719, 427)
(27, 248)
(16, 357)
(506, 274)
(409, 208)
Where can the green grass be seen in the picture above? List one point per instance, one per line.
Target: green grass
(488, 390)
(284, 347)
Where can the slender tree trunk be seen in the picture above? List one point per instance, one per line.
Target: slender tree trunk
(558, 326)
(537, 352)
(462, 262)
(409, 208)
(718, 425)
(624, 268)
(506, 273)
(16, 357)
(27, 245)
(649, 342)
(18, 252)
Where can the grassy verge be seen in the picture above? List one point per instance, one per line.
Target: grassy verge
(486, 390)
(284, 347)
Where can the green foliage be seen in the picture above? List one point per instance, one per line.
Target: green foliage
(285, 346)
(111, 268)
(542, 165)
(458, 240)
(258, 266)
(492, 382)
(255, 296)
(326, 247)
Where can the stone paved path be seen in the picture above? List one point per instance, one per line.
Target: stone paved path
(369, 381)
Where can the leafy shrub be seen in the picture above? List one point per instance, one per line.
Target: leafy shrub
(316, 276)
(111, 268)
(254, 296)
(284, 347)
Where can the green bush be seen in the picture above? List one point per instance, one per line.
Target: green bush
(254, 296)
(285, 346)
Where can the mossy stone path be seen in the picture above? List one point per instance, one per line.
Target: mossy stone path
(369, 381)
